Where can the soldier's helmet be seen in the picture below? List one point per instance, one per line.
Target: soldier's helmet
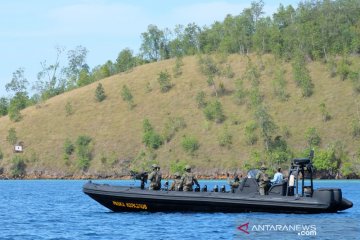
(154, 166)
(187, 167)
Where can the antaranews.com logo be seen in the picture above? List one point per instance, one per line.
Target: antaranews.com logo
(299, 229)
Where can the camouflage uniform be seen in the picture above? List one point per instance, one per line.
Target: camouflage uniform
(263, 180)
(155, 178)
(234, 184)
(188, 180)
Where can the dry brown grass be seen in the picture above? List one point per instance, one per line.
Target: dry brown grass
(117, 131)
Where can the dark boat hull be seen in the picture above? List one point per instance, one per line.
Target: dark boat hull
(127, 199)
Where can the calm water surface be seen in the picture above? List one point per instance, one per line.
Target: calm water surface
(57, 209)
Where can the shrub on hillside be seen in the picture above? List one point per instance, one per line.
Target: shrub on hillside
(127, 96)
(225, 138)
(11, 138)
(1, 154)
(250, 133)
(83, 151)
(177, 166)
(324, 112)
(214, 112)
(355, 128)
(18, 166)
(100, 93)
(164, 81)
(201, 99)
(190, 144)
(312, 137)
(69, 109)
(177, 71)
(69, 147)
(151, 139)
(172, 125)
(240, 92)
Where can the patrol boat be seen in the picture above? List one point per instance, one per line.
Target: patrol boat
(297, 195)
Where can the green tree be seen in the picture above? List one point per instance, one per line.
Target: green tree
(154, 44)
(301, 75)
(4, 106)
(76, 63)
(51, 81)
(127, 96)
(100, 93)
(125, 60)
(164, 80)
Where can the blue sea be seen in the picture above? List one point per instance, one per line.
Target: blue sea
(58, 209)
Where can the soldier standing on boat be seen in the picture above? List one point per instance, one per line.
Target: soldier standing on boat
(188, 180)
(263, 180)
(175, 186)
(155, 178)
(233, 184)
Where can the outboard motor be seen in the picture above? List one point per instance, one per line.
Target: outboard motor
(197, 189)
(216, 188)
(222, 189)
(204, 189)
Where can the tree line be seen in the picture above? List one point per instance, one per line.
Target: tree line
(317, 29)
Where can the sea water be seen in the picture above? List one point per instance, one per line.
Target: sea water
(58, 209)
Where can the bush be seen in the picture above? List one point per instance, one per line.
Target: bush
(279, 85)
(68, 147)
(200, 99)
(250, 133)
(240, 92)
(164, 81)
(312, 137)
(100, 93)
(214, 112)
(355, 128)
(69, 109)
(324, 112)
(225, 138)
(83, 150)
(190, 144)
(150, 138)
(177, 166)
(18, 167)
(12, 138)
(127, 96)
(172, 125)
(177, 68)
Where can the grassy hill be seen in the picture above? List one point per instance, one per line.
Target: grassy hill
(117, 131)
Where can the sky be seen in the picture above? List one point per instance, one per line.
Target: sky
(31, 30)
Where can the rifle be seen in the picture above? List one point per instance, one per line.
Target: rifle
(143, 177)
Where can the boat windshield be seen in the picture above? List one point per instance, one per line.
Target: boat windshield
(252, 173)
